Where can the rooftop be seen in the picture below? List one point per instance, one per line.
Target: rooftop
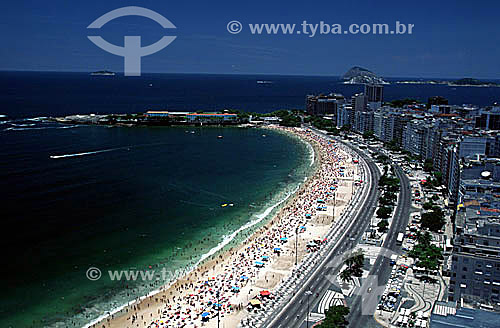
(463, 318)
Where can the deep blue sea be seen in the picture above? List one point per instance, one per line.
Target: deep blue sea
(120, 198)
(32, 94)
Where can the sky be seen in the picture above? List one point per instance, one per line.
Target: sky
(450, 39)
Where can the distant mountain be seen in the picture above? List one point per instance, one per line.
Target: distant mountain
(465, 82)
(473, 82)
(360, 75)
(357, 71)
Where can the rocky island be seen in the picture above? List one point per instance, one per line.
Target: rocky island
(360, 75)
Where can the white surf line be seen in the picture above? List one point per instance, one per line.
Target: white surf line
(41, 118)
(312, 156)
(248, 225)
(211, 252)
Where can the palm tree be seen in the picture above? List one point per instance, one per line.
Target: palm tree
(349, 262)
(359, 259)
(345, 275)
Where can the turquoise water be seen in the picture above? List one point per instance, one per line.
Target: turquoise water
(138, 198)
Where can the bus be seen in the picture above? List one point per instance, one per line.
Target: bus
(400, 238)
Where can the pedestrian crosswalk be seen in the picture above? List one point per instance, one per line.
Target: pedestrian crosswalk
(357, 283)
(331, 298)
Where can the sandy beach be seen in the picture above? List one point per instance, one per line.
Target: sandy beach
(242, 278)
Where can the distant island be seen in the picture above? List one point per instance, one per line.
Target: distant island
(103, 73)
(360, 75)
(465, 82)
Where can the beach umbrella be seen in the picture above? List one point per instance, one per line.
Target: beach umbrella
(244, 278)
(277, 249)
(265, 293)
(265, 258)
(259, 263)
(205, 314)
(236, 289)
(255, 302)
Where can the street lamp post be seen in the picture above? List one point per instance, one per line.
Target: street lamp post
(296, 245)
(218, 310)
(308, 293)
(334, 203)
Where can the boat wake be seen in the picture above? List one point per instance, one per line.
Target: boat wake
(19, 127)
(84, 154)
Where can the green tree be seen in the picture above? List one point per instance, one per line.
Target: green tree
(346, 275)
(428, 165)
(393, 145)
(438, 178)
(323, 124)
(354, 263)
(427, 206)
(386, 200)
(433, 220)
(368, 135)
(346, 128)
(390, 195)
(290, 120)
(384, 212)
(426, 255)
(335, 317)
(359, 259)
(399, 103)
(382, 158)
(382, 226)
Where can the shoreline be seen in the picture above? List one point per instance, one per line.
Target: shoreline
(183, 302)
(210, 259)
(205, 259)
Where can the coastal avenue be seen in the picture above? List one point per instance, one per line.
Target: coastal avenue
(318, 283)
(295, 313)
(381, 267)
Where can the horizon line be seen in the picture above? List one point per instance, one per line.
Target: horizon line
(242, 73)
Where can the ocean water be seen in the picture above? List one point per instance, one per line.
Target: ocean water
(32, 94)
(126, 198)
(75, 197)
